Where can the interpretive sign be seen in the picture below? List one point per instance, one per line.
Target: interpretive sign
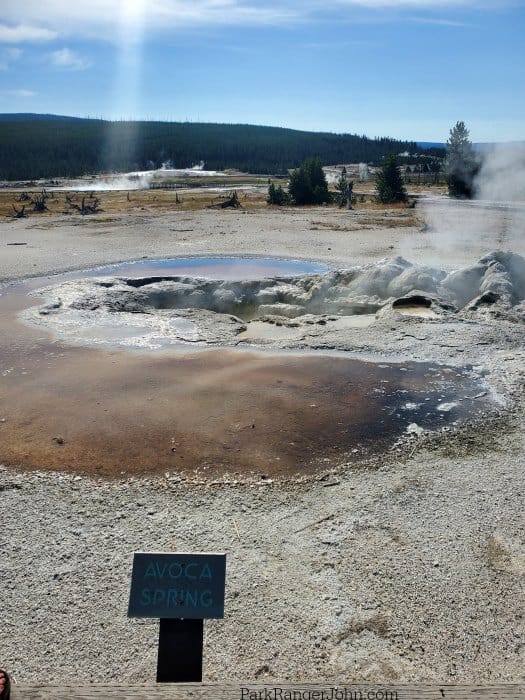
(177, 585)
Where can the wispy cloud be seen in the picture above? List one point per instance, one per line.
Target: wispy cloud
(7, 56)
(24, 33)
(437, 21)
(20, 92)
(69, 60)
(422, 4)
(100, 19)
(337, 45)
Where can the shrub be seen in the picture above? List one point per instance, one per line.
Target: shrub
(277, 196)
(308, 184)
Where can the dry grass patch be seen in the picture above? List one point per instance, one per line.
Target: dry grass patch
(117, 202)
(195, 195)
(507, 556)
(377, 623)
(331, 226)
(371, 217)
(389, 222)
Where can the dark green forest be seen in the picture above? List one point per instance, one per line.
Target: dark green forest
(46, 146)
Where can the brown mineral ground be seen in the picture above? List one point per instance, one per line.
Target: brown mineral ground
(211, 411)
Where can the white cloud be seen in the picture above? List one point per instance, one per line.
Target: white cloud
(115, 19)
(21, 92)
(65, 58)
(105, 20)
(23, 32)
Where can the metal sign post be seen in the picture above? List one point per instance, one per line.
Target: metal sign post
(182, 590)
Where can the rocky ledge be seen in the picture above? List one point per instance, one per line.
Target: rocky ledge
(158, 311)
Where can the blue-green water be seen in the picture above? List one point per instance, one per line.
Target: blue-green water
(231, 268)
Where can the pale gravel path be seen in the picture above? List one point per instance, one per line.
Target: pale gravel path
(416, 571)
(55, 244)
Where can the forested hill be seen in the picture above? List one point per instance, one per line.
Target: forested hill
(30, 116)
(36, 146)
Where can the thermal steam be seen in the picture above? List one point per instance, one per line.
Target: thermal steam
(496, 215)
(142, 179)
(502, 174)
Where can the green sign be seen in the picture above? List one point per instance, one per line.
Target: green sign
(177, 585)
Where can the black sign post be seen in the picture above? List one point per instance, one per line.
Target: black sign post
(180, 651)
(182, 590)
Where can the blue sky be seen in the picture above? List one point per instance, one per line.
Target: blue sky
(401, 68)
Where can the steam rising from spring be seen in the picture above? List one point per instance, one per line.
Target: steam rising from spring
(502, 174)
(497, 214)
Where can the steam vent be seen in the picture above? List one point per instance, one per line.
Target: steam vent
(240, 375)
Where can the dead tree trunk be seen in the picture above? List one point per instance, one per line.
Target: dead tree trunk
(39, 202)
(350, 193)
(232, 201)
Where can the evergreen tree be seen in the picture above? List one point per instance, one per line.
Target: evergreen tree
(460, 163)
(389, 184)
(345, 189)
(277, 196)
(308, 184)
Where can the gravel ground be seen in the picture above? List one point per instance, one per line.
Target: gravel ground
(409, 567)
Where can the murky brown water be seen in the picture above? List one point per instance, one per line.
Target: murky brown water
(102, 412)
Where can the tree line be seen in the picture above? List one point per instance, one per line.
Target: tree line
(308, 184)
(41, 146)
